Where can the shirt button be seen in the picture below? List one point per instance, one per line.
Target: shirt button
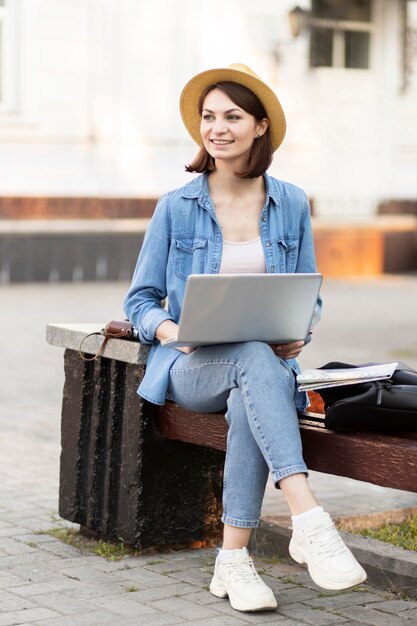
(264, 218)
(272, 268)
(268, 244)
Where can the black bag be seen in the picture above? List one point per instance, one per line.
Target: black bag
(384, 405)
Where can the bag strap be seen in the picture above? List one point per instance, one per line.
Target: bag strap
(112, 330)
(99, 352)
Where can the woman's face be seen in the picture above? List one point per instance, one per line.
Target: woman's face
(228, 131)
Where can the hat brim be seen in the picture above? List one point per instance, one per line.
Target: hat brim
(191, 93)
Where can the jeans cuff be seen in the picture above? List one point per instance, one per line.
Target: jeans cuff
(240, 523)
(289, 471)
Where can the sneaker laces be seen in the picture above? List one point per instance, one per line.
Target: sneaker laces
(243, 572)
(330, 540)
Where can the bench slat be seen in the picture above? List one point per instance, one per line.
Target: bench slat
(202, 429)
(385, 460)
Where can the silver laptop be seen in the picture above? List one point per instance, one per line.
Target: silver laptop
(228, 308)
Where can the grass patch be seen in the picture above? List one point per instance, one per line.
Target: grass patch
(398, 527)
(271, 560)
(400, 535)
(288, 580)
(114, 551)
(132, 589)
(86, 545)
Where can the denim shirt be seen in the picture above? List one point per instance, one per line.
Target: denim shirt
(183, 238)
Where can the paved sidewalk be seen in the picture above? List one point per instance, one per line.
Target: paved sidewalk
(44, 582)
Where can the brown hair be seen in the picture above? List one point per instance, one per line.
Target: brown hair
(260, 157)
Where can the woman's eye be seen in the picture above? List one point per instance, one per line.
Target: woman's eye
(208, 116)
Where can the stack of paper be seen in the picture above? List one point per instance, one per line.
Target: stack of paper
(322, 378)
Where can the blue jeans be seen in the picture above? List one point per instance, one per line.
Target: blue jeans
(257, 388)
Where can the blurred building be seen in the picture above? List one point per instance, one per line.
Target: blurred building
(89, 94)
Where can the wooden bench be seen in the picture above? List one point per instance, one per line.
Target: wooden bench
(388, 460)
(152, 476)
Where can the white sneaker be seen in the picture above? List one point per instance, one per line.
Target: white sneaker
(237, 578)
(330, 563)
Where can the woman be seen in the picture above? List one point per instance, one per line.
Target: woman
(234, 217)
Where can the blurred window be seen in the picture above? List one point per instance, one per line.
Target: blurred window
(356, 49)
(340, 33)
(358, 10)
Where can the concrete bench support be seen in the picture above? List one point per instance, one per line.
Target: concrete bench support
(118, 479)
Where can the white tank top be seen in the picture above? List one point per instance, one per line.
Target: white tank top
(243, 257)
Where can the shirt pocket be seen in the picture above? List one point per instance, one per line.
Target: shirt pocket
(287, 251)
(190, 254)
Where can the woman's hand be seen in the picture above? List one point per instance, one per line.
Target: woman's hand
(167, 330)
(287, 350)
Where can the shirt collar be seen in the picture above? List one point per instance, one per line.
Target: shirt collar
(271, 189)
(198, 188)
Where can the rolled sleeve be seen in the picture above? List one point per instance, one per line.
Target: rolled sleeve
(150, 323)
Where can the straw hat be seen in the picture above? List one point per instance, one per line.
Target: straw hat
(238, 73)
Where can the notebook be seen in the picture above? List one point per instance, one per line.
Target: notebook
(229, 308)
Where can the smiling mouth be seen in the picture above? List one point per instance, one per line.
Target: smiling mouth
(221, 142)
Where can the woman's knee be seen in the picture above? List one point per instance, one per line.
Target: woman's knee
(257, 358)
(255, 351)
(260, 355)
